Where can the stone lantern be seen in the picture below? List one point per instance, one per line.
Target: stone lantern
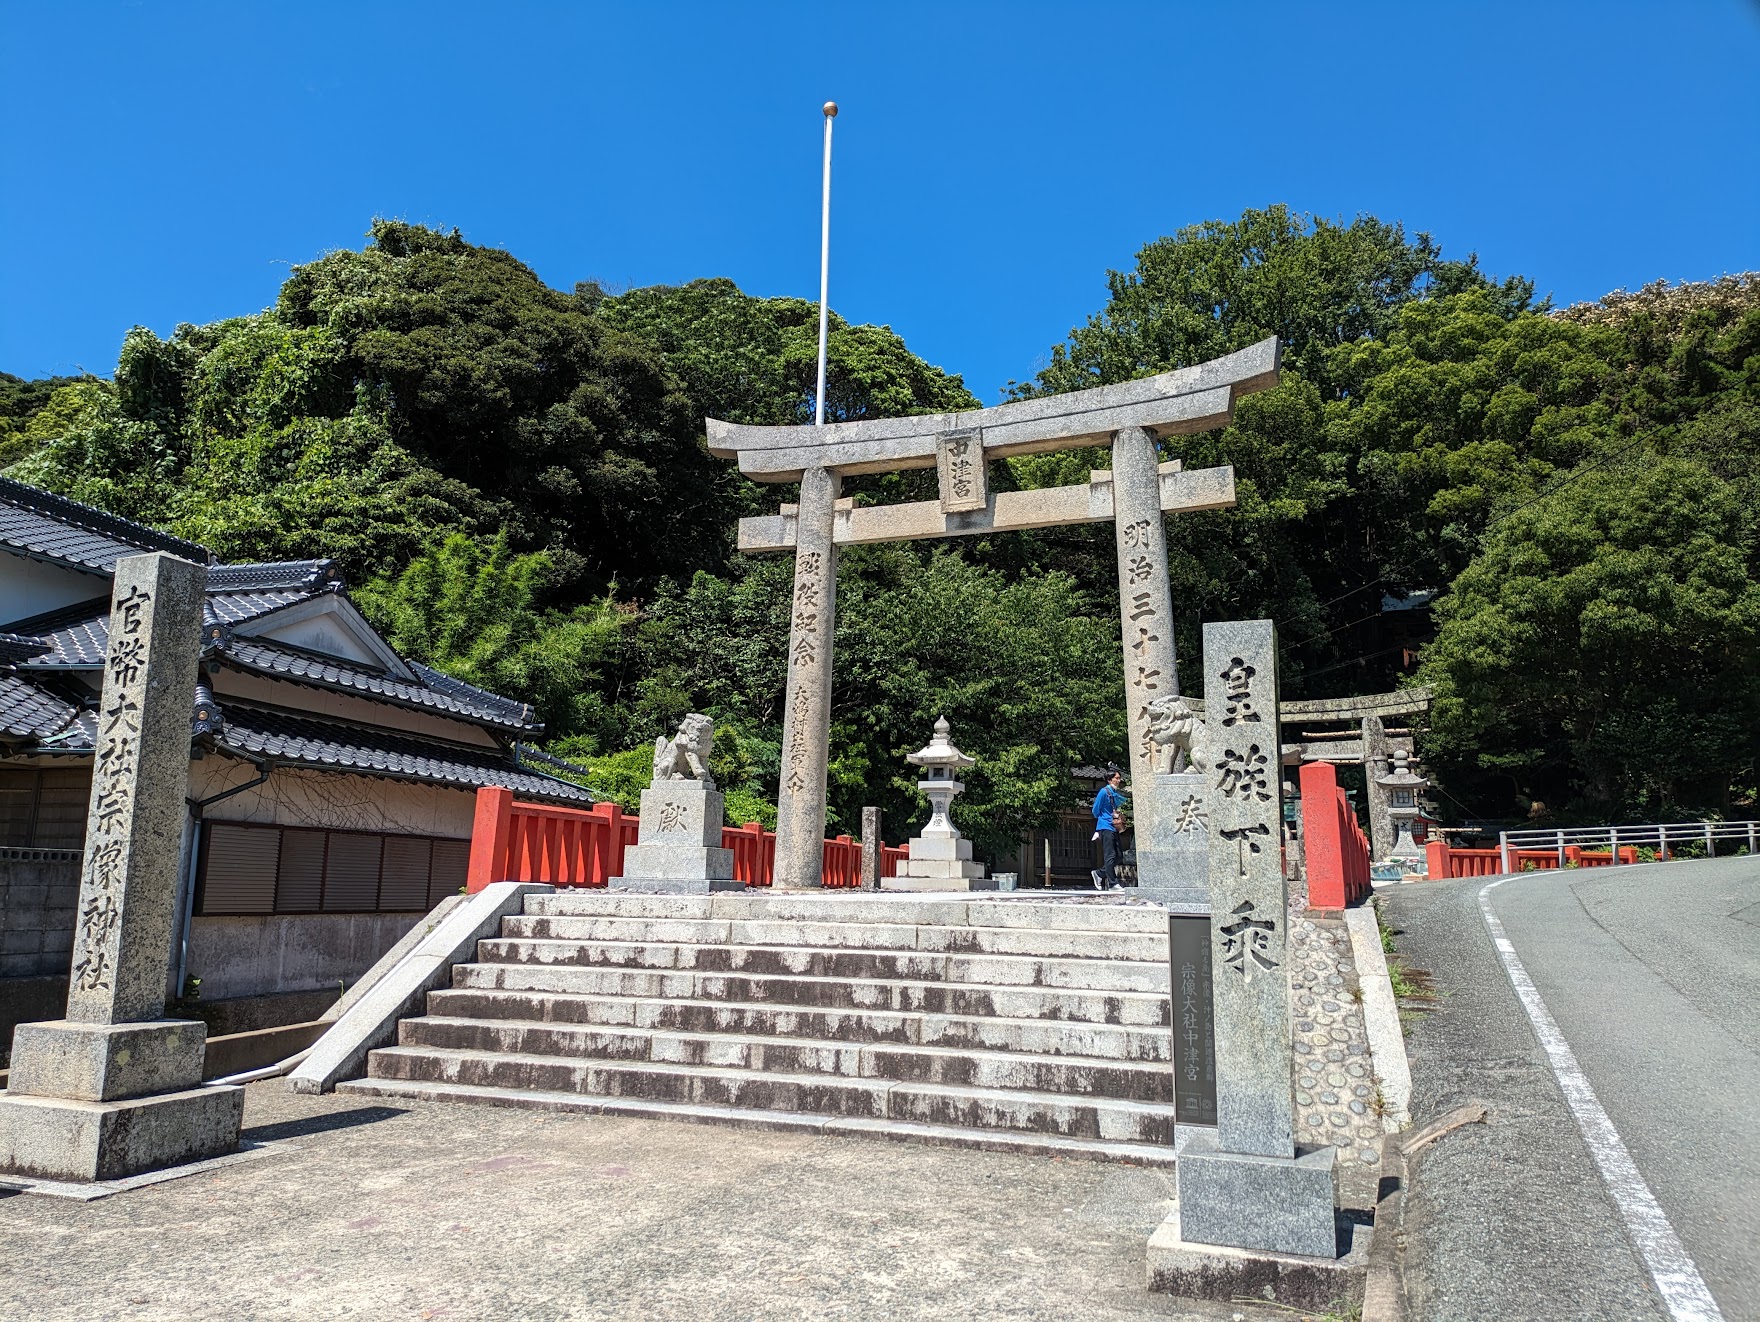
(1404, 786)
(939, 859)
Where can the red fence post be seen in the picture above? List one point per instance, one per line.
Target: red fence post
(489, 831)
(1321, 835)
(1436, 858)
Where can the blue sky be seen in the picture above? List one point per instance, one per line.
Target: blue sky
(168, 162)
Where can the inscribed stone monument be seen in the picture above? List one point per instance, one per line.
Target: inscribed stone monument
(114, 1088)
(1248, 1187)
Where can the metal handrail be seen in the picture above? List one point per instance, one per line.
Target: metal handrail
(1658, 834)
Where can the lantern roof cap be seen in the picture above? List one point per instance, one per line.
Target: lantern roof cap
(940, 752)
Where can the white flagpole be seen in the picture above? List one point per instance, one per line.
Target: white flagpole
(824, 265)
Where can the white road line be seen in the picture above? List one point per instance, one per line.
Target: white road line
(1677, 1278)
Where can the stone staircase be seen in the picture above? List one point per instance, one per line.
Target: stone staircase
(1018, 1024)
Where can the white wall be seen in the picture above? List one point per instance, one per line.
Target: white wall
(30, 587)
(332, 799)
(345, 706)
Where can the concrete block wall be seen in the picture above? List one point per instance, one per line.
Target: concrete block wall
(261, 953)
(39, 891)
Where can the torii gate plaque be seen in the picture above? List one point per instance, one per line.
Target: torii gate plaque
(1130, 416)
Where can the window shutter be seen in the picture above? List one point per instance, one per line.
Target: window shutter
(61, 810)
(451, 865)
(405, 882)
(351, 874)
(301, 888)
(238, 869)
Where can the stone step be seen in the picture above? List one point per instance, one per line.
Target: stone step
(1041, 942)
(1084, 913)
(1109, 1119)
(812, 962)
(1075, 1076)
(1050, 1037)
(1136, 1009)
(993, 1140)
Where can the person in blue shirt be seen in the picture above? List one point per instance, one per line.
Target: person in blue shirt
(1108, 817)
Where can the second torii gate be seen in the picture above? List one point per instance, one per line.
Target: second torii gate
(1130, 417)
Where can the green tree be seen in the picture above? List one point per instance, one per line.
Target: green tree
(471, 609)
(1601, 655)
(755, 360)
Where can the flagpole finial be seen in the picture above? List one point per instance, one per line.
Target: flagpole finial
(831, 110)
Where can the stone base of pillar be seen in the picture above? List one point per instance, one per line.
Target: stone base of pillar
(906, 883)
(1263, 1204)
(674, 885)
(60, 1138)
(57, 1138)
(103, 1062)
(105, 1101)
(1208, 1271)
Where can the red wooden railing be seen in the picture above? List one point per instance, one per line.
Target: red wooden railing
(1446, 861)
(1337, 850)
(514, 841)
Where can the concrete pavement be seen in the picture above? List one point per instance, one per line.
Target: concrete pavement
(425, 1211)
(1652, 974)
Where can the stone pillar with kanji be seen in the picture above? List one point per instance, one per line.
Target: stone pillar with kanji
(115, 1088)
(1248, 1186)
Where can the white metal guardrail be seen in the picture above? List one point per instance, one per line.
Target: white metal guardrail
(1658, 837)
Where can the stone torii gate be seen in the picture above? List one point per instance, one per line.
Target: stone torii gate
(1131, 417)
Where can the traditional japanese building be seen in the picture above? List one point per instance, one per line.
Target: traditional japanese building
(332, 782)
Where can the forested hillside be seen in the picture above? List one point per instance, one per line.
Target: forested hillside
(515, 481)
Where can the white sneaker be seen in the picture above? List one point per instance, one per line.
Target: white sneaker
(1099, 881)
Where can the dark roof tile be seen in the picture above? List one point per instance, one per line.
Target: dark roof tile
(55, 528)
(304, 575)
(437, 692)
(27, 712)
(301, 740)
(15, 647)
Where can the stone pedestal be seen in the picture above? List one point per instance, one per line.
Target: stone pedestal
(114, 1089)
(1173, 839)
(104, 1101)
(1248, 1201)
(679, 848)
(940, 863)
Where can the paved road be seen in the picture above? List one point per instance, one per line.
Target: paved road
(1652, 975)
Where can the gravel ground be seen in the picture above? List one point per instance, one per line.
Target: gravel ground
(426, 1211)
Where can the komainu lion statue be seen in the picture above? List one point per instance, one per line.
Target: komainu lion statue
(685, 756)
(1174, 728)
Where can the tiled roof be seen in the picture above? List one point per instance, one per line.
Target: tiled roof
(52, 527)
(27, 712)
(79, 634)
(14, 648)
(513, 713)
(237, 607)
(303, 741)
(304, 575)
(437, 692)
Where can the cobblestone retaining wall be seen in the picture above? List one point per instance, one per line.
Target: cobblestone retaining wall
(1335, 1082)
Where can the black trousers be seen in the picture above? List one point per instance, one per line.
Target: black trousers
(1109, 857)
